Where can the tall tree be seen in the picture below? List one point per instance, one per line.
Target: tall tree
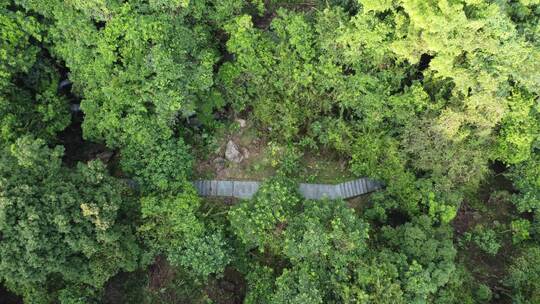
(62, 229)
(28, 79)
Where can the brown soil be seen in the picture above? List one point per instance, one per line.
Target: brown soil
(465, 219)
(359, 203)
(263, 22)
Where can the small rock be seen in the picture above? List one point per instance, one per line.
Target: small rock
(64, 83)
(227, 286)
(75, 107)
(219, 163)
(245, 153)
(131, 183)
(241, 122)
(232, 152)
(105, 156)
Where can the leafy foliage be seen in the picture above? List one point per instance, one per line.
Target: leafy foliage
(426, 253)
(331, 262)
(300, 78)
(524, 276)
(158, 165)
(526, 177)
(171, 227)
(398, 98)
(54, 231)
(432, 98)
(520, 230)
(259, 222)
(28, 81)
(487, 240)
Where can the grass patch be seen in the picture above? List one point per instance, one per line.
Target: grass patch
(324, 167)
(261, 160)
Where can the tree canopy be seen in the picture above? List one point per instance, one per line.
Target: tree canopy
(55, 233)
(110, 109)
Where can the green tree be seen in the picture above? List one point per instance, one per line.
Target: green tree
(520, 230)
(486, 239)
(323, 243)
(524, 275)
(158, 165)
(424, 253)
(172, 227)
(259, 222)
(325, 233)
(519, 129)
(28, 80)
(260, 285)
(60, 227)
(526, 178)
(138, 64)
(295, 71)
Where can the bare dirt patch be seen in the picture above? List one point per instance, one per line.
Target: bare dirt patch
(465, 219)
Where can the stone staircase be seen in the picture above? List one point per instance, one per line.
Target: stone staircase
(246, 189)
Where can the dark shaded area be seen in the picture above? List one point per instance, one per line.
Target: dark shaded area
(263, 22)
(7, 297)
(464, 219)
(397, 218)
(498, 167)
(125, 287)
(350, 6)
(160, 274)
(222, 38)
(485, 209)
(76, 148)
(100, 24)
(425, 59)
(415, 72)
(348, 71)
(230, 289)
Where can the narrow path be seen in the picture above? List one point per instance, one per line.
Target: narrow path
(246, 189)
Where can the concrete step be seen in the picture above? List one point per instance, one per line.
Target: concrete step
(246, 189)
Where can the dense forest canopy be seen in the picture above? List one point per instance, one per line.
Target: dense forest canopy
(436, 99)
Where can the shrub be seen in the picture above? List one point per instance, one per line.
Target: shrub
(486, 239)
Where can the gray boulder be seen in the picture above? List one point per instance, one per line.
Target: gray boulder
(241, 122)
(232, 152)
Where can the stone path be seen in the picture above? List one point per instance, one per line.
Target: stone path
(246, 189)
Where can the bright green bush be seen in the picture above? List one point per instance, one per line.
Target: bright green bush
(486, 239)
(520, 230)
(259, 222)
(158, 165)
